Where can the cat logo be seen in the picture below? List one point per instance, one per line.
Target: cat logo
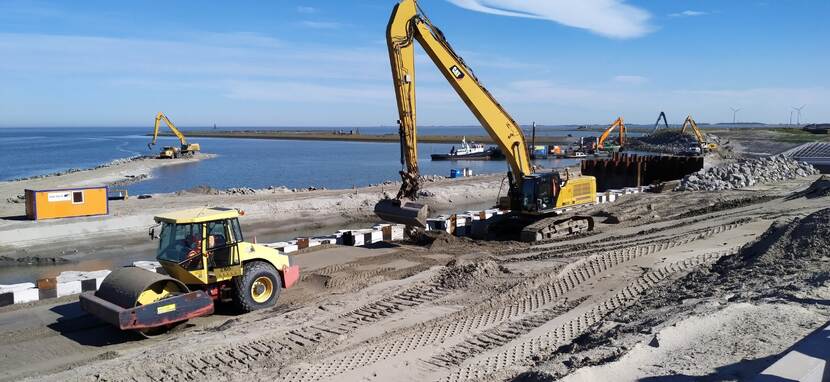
(456, 72)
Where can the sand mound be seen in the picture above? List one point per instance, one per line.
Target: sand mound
(442, 241)
(819, 189)
(786, 247)
(461, 273)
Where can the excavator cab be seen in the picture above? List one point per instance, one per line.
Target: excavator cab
(541, 193)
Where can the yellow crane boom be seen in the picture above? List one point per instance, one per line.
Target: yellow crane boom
(170, 152)
(408, 24)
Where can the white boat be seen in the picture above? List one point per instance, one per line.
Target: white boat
(469, 150)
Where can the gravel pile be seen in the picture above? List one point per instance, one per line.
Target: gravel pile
(115, 162)
(745, 173)
(664, 141)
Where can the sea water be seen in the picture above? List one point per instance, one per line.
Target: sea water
(254, 163)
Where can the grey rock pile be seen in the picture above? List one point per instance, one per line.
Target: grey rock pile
(745, 173)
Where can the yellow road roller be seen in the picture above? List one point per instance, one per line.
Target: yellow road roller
(206, 260)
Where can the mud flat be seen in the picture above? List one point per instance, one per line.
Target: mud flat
(678, 285)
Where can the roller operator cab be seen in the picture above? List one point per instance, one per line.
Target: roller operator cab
(207, 259)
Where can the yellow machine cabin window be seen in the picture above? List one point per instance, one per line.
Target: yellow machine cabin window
(220, 243)
(77, 197)
(181, 244)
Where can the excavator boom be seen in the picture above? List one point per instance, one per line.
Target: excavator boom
(407, 25)
(618, 123)
(657, 123)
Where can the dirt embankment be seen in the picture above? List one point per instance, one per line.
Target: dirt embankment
(771, 290)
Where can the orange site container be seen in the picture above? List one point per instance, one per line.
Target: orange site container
(65, 203)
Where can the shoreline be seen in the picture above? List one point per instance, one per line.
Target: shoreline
(366, 138)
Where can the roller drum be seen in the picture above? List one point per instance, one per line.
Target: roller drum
(129, 287)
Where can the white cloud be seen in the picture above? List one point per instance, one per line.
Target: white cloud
(631, 80)
(688, 13)
(610, 18)
(321, 24)
(306, 10)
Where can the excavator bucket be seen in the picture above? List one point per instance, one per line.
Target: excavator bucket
(402, 212)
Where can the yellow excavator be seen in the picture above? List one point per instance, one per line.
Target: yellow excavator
(534, 198)
(618, 123)
(170, 152)
(690, 123)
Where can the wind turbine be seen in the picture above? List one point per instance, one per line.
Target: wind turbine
(791, 118)
(734, 113)
(798, 118)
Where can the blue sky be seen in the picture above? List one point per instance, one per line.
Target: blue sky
(313, 63)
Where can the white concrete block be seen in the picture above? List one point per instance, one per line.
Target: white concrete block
(397, 232)
(151, 266)
(314, 243)
(288, 248)
(358, 239)
(68, 276)
(439, 224)
(376, 236)
(26, 295)
(15, 287)
(69, 288)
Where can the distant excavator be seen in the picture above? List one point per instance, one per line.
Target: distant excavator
(534, 198)
(701, 138)
(170, 152)
(602, 146)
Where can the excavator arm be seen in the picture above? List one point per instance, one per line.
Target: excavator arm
(409, 24)
(618, 123)
(690, 123)
(159, 117)
(657, 123)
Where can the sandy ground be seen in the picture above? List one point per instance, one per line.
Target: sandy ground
(458, 310)
(266, 211)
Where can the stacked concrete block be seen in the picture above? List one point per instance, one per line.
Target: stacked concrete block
(18, 293)
(463, 224)
(440, 223)
(396, 232)
(353, 238)
(371, 236)
(283, 247)
(328, 240)
(631, 190)
(89, 280)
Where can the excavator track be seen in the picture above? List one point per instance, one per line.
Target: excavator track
(556, 227)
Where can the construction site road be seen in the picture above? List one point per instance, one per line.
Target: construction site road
(457, 309)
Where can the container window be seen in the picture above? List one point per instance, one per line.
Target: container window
(77, 197)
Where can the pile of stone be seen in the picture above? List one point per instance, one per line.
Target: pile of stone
(664, 141)
(746, 173)
(74, 170)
